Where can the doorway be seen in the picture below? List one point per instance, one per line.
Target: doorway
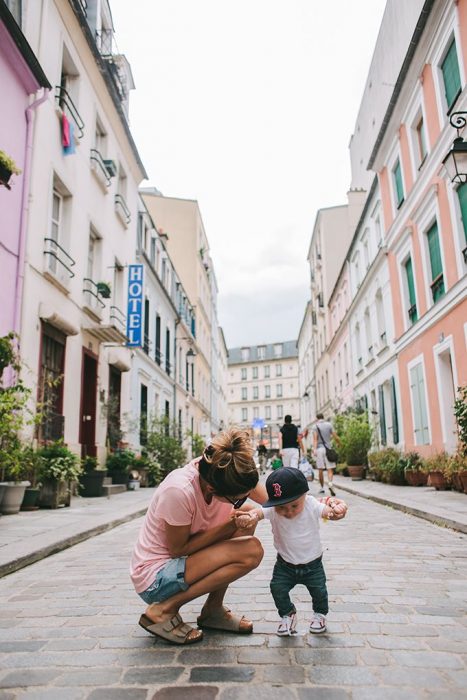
(87, 432)
(447, 396)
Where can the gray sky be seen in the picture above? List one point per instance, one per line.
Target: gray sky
(248, 107)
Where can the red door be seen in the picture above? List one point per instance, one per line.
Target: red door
(87, 433)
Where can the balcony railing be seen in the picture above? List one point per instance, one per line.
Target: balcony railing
(117, 318)
(122, 210)
(92, 295)
(65, 102)
(98, 165)
(104, 38)
(84, 6)
(412, 312)
(437, 287)
(158, 356)
(58, 260)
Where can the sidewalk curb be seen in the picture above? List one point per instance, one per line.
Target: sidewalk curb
(435, 519)
(56, 547)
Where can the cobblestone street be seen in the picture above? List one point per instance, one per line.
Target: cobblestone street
(397, 624)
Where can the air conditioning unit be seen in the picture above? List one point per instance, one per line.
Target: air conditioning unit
(111, 167)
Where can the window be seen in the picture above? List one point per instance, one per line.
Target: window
(143, 414)
(279, 412)
(157, 353)
(278, 370)
(398, 186)
(380, 317)
(243, 373)
(267, 392)
(167, 352)
(419, 407)
(255, 373)
(146, 327)
(244, 393)
(245, 354)
(382, 416)
(366, 252)
(267, 413)
(369, 340)
(55, 227)
(261, 352)
(412, 301)
(437, 279)
(451, 75)
(51, 382)
(278, 350)
(279, 391)
(255, 392)
(255, 412)
(267, 371)
(358, 347)
(421, 140)
(244, 415)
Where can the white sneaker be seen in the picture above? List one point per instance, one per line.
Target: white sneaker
(331, 489)
(287, 627)
(321, 491)
(318, 623)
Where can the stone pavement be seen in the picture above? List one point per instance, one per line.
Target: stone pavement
(397, 624)
(29, 536)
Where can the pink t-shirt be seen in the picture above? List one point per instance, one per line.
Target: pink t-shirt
(177, 501)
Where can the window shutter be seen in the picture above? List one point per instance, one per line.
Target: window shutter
(382, 415)
(435, 253)
(398, 182)
(417, 386)
(395, 421)
(410, 282)
(462, 194)
(451, 75)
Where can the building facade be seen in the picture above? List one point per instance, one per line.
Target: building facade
(262, 388)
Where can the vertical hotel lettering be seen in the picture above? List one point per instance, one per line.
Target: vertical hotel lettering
(135, 306)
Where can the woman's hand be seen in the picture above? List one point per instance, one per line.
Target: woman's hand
(336, 509)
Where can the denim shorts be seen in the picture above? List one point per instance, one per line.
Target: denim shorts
(169, 581)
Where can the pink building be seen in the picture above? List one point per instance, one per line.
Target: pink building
(425, 220)
(21, 77)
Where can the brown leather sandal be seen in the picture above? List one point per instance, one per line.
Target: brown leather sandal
(173, 630)
(225, 621)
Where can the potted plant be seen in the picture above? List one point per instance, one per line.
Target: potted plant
(8, 168)
(413, 469)
(460, 412)
(59, 468)
(14, 417)
(356, 440)
(104, 290)
(119, 464)
(91, 479)
(437, 468)
(31, 465)
(386, 466)
(164, 445)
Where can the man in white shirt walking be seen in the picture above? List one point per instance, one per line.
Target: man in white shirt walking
(322, 436)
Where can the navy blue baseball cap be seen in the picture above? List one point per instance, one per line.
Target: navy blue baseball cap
(285, 485)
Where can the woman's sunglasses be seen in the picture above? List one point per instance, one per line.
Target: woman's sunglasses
(238, 503)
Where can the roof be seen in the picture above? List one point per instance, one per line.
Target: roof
(23, 46)
(289, 349)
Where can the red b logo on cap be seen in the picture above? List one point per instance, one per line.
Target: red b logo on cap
(277, 490)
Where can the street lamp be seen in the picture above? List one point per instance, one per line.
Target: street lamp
(456, 160)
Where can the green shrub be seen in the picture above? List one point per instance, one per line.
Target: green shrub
(163, 445)
(144, 461)
(386, 465)
(120, 461)
(355, 439)
(58, 463)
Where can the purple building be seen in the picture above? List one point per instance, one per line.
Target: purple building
(20, 77)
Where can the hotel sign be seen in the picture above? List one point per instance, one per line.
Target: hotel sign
(134, 327)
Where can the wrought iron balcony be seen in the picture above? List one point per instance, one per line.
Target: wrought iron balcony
(104, 39)
(117, 319)
(99, 168)
(59, 262)
(67, 105)
(122, 210)
(412, 312)
(437, 287)
(92, 295)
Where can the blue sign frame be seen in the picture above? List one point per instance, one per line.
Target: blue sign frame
(134, 323)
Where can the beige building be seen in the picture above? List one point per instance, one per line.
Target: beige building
(262, 388)
(180, 222)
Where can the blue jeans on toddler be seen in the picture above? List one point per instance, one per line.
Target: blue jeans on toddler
(286, 576)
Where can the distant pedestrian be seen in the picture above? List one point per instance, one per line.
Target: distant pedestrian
(294, 518)
(290, 443)
(322, 437)
(262, 452)
(189, 544)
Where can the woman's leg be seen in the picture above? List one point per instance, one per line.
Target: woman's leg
(210, 571)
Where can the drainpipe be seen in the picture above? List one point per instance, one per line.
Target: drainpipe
(24, 210)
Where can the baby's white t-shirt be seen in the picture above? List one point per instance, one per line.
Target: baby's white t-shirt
(297, 539)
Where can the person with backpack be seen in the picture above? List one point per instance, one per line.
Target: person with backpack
(326, 455)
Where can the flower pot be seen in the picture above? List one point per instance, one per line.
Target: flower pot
(415, 477)
(356, 472)
(91, 483)
(13, 496)
(54, 494)
(463, 479)
(119, 477)
(437, 480)
(133, 484)
(30, 499)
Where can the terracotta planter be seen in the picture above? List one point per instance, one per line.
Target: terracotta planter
(415, 477)
(463, 479)
(437, 480)
(356, 472)
(55, 494)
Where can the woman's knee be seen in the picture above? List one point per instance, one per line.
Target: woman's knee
(254, 552)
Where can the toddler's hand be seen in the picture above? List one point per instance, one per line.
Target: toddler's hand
(244, 520)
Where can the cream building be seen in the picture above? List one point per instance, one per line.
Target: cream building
(187, 244)
(262, 388)
(82, 218)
